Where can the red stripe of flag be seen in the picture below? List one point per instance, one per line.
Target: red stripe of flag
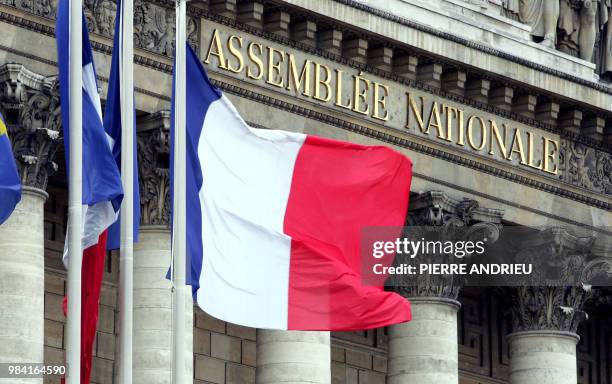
(354, 188)
(92, 274)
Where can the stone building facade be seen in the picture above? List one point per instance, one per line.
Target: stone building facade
(505, 108)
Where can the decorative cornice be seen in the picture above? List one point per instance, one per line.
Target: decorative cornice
(473, 44)
(197, 12)
(165, 67)
(390, 75)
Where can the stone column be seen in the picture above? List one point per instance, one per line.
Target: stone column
(545, 318)
(543, 345)
(543, 357)
(29, 102)
(425, 349)
(293, 357)
(22, 274)
(152, 361)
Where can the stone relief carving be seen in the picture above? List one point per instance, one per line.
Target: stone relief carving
(555, 301)
(32, 107)
(585, 167)
(153, 24)
(154, 159)
(457, 220)
(45, 8)
(582, 28)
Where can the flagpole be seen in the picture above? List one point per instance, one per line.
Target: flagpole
(75, 203)
(179, 220)
(126, 260)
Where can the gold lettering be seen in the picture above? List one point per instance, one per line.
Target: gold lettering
(435, 115)
(325, 82)
(517, 147)
(550, 156)
(236, 52)
(460, 128)
(449, 112)
(257, 60)
(418, 115)
(304, 77)
(215, 42)
(470, 133)
(501, 142)
(338, 103)
(360, 96)
(380, 102)
(274, 68)
(530, 152)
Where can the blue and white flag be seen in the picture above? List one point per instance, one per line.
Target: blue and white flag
(112, 125)
(102, 190)
(10, 185)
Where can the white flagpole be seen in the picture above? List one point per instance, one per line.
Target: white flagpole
(179, 220)
(75, 203)
(126, 261)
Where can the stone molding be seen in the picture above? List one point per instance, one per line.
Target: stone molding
(472, 44)
(31, 106)
(149, 33)
(589, 144)
(563, 334)
(153, 135)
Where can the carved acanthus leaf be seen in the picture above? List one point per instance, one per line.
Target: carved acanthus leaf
(31, 105)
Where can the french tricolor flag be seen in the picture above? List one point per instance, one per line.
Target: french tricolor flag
(274, 220)
(102, 189)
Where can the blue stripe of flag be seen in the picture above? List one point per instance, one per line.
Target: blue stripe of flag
(10, 185)
(101, 179)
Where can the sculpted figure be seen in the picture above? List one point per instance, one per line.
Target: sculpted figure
(541, 15)
(578, 27)
(605, 54)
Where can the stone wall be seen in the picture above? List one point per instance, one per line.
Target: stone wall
(355, 365)
(223, 352)
(55, 322)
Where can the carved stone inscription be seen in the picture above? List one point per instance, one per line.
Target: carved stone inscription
(348, 90)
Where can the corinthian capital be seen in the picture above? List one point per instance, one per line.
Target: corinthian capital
(154, 168)
(435, 215)
(566, 266)
(31, 106)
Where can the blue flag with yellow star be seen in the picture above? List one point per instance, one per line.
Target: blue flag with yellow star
(10, 185)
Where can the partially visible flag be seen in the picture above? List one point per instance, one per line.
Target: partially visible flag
(112, 126)
(10, 185)
(274, 220)
(102, 190)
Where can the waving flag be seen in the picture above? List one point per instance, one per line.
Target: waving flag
(112, 126)
(102, 190)
(10, 185)
(274, 220)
